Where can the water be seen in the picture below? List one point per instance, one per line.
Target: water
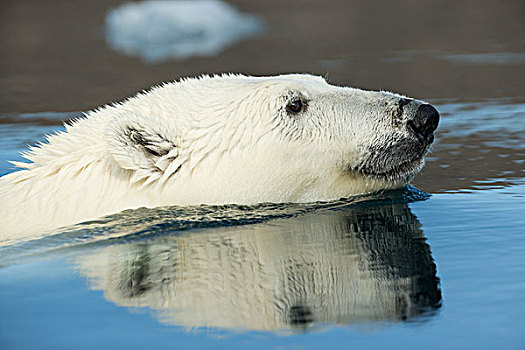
(437, 265)
(401, 266)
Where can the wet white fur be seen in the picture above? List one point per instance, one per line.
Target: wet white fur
(222, 139)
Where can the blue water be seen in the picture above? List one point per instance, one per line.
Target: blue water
(398, 269)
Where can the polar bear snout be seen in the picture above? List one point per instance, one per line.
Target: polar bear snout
(424, 123)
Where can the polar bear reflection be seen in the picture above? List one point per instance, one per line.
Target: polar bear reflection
(361, 264)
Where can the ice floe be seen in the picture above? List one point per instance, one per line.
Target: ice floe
(162, 30)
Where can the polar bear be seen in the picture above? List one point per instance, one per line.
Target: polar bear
(218, 140)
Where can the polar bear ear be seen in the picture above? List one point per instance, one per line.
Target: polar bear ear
(146, 151)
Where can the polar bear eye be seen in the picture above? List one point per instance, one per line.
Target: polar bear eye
(296, 106)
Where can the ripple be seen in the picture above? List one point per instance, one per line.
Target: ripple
(146, 223)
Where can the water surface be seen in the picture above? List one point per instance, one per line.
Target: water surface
(402, 266)
(438, 265)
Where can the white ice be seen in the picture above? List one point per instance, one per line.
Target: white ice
(162, 30)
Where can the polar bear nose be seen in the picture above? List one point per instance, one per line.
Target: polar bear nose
(425, 122)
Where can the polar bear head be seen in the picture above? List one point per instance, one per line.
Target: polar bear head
(240, 139)
(219, 140)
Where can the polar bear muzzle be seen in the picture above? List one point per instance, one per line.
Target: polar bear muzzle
(401, 157)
